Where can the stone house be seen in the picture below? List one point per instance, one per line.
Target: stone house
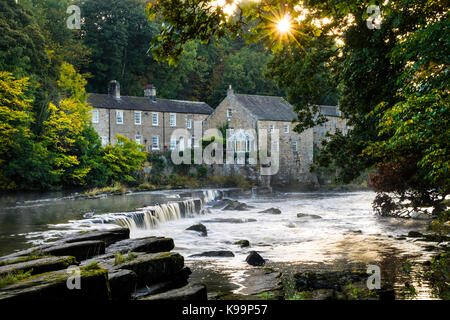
(148, 120)
(335, 122)
(248, 115)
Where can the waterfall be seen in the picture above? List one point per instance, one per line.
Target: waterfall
(151, 216)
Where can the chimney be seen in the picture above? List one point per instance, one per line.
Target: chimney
(150, 92)
(230, 90)
(114, 89)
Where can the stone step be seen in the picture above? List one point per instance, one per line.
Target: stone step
(122, 284)
(107, 236)
(53, 286)
(154, 267)
(37, 266)
(189, 292)
(148, 245)
(80, 250)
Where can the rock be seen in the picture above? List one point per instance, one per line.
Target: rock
(271, 211)
(178, 280)
(80, 250)
(148, 245)
(219, 253)
(322, 294)
(107, 236)
(414, 234)
(242, 243)
(312, 216)
(154, 267)
(189, 292)
(37, 266)
(255, 259)
(335, 280)
(122, 284)
(53, 286)
(259, 280)
(235, 205)
(199, 228)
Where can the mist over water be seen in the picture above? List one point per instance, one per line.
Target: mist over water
(336, 228)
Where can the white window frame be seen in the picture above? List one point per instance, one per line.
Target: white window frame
(138, 123)
(104, 141)
(155, 123)
(155, 146)
(95, 116)
(173, 144)
(229, 113)
(271, 128)
(173, 119)
(138, 139)
(286, 128)
(119, 112)
(295, 146)
(189, 124)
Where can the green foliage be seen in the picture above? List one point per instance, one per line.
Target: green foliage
(119, 258)
(123, 159)
(93, 265)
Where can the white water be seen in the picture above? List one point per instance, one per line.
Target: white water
(347, 232)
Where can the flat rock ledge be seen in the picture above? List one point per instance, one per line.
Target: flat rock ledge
(98, 265)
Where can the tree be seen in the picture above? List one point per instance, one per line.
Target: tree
(123, 159)
(326, 51)
(15, 120)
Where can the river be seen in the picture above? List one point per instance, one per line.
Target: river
(345, 232)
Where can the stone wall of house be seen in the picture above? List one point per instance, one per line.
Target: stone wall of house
(330, 126)
(240, 117)
(108, 128)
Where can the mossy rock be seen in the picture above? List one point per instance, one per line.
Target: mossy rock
(53, 286)
(37, 266)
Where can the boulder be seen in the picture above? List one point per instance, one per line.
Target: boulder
(312, 216)
(53, 286)
(154, 267)
(107, 236)
(219, 253)
(189, 292)
(414, 234)
(122, 284)
(199, 228)
(233, 205)
(242, 243)
(271, 211)
(148, 245)
(36, 266)
(255, 259)
(80, 250)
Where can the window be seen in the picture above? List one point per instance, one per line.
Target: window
(137, 139)
(104, 141)
(173, 143)
(155, 119)
(173, 120)
(276, 146)
(95, 116)
(119, 117)
(155, 142)
(189, 124)
(295, 146)
(286, 129)
(229, 113)
(181, 144)
(271, 128)
(137, 118)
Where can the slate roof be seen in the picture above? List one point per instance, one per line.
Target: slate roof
(105, 101)
(276, 108)
(267, 107)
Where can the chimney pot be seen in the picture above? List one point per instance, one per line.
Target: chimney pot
(230, 90)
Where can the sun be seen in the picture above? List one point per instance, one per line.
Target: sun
(284, 25)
